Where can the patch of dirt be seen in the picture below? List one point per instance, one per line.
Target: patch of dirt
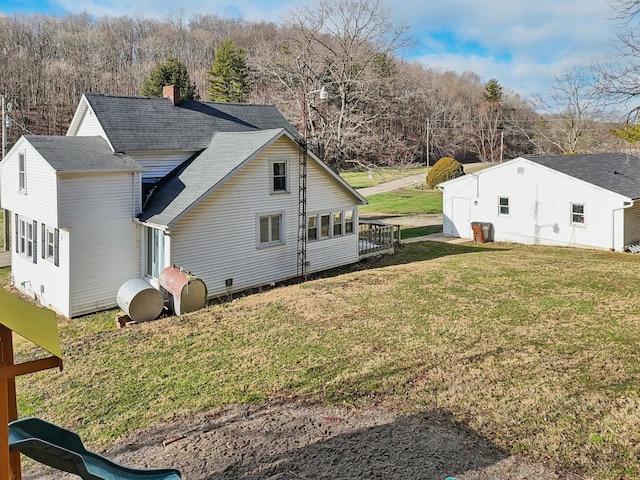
(295, 441)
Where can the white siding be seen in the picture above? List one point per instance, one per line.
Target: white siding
(632, 224)
(324, 195)
(41, 280)
(44, 281)
(38, 200)
(90, 126)
(540, 202)
(104, 240)
(159, 164)
(218, 239)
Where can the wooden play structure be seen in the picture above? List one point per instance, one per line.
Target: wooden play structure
(44, 442)
(39, 326)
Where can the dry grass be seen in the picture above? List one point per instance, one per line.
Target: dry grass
(534, 348)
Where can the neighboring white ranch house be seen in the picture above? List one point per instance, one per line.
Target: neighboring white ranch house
(572, 200)
(141, 183)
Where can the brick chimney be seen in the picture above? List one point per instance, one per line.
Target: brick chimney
(172, 92)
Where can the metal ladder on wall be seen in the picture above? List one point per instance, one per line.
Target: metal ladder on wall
(302, 209)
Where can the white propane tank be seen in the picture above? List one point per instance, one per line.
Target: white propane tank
(139, 300)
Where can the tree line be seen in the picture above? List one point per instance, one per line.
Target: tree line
(381, 110)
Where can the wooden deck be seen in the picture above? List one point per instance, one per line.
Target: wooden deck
(377, 238)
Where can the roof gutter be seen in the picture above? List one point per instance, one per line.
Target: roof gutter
(164, 228)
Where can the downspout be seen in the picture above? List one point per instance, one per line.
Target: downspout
(613, 225)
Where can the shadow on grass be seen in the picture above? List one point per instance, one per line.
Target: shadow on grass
(290, 440)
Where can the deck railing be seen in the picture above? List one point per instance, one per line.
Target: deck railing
(377, 238)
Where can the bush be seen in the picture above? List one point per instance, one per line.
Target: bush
(446, 168)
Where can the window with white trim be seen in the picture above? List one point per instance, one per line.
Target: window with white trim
(26, 237)
(321, 226)
(312, 228)
(325, 229)
(338, 226)
(503, 206)
(349, 220)
(155, 252)
(279, 177)
(270, 230)
(22, 172)
(577, 213)
(50, 248)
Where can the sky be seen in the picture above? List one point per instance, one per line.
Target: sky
(524, 44)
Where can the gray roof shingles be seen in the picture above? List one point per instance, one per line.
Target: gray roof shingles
(80, 154)
(189, 183)
(616, 172)
(153, 123)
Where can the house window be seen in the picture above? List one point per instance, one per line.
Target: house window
(329, 225)
(348, 221)
(577, 214)
(312, 228)
(22, 177)
(270, 228)
(324, 225)
(503, 206)
(26, 238)
(50, 238)
(155, 252)
(337, 224)
(279, 182)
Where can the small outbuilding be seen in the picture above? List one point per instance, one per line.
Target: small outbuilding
(586, 200)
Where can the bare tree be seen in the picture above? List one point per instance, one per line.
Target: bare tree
(341, 44)
(572, 109)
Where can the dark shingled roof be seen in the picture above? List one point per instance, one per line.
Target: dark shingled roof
(153, 123)
(616, 172)
(80, 154)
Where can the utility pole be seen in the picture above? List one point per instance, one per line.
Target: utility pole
(5, 226)
(428, 129)
(4, 128)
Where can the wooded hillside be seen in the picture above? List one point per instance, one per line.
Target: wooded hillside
(381, 110)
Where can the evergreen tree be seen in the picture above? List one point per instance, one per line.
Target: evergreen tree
(229, 74)
(493, 91)
(170, 72)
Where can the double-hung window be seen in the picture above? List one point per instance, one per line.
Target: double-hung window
(337, 224)
(279, 177)
(50, 248)
(26, 231)
(270, 230)
(155, 252)
(503, 206)
(577, 214)
(348, 221)
(22, 173)
(312, 228)
(324, 225)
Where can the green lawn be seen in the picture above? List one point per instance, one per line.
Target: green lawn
(382, 175)
(533, 348)
(407, 201)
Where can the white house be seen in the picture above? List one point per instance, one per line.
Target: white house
(575, 200)
(141, 183)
